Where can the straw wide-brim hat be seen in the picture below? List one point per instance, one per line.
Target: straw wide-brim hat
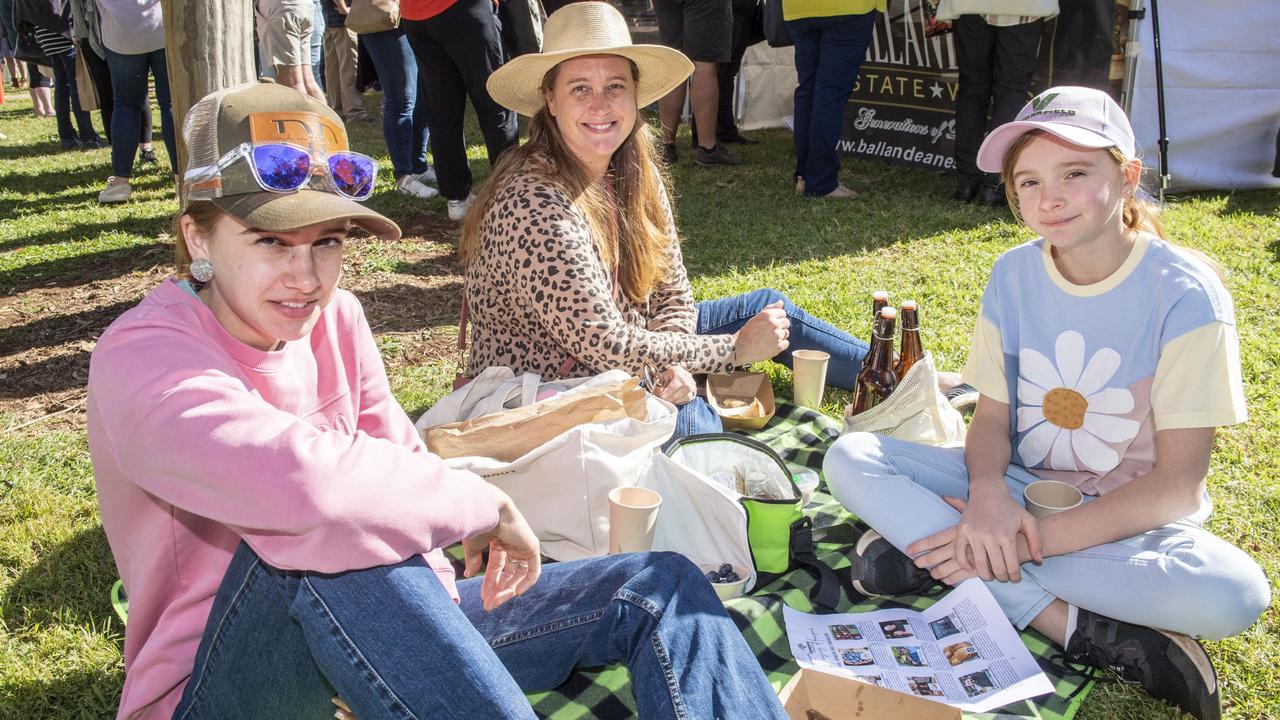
(586, 28)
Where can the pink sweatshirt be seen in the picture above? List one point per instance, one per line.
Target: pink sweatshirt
(199, 441)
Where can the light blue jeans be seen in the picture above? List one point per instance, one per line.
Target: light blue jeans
(393, 644)
(1179, 577)
(317, 44)
(728, 315)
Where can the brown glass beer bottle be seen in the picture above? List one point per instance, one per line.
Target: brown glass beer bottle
(911, 350)
(880, 300)
(877, 380)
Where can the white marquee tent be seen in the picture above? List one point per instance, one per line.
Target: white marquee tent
(1222, 90)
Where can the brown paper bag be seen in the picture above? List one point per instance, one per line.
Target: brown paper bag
(508, 435)
(85, 89)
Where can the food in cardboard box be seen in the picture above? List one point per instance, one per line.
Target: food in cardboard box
(741, 409)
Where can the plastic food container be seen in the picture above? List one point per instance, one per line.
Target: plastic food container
(807, 480)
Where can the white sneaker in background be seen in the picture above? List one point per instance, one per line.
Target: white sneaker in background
(458, 208)
(427, 177)
(118, 190)
(411, 186)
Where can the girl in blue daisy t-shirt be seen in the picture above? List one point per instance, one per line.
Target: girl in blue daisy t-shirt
(1104, 357)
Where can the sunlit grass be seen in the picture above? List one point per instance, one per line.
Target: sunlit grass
(743, 228)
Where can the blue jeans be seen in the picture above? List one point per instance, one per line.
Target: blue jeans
(404, 119)
(66, 101)
(728, 315)
(129, 87)
(393, 644)
(829, 51)
(1179, 577)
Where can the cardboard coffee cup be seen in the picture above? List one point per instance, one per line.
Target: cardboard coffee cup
(1046, 497)
(809, 377)
(633, 512)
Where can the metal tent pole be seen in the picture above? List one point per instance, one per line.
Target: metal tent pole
(1164, 134)
(1132, 53)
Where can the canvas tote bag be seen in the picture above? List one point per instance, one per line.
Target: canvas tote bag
(371, 16)
(562, 484)
(916, 411)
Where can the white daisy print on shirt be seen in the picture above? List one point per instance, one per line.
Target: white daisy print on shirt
(1068, 413)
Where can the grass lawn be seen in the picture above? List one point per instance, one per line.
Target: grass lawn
(68, 266)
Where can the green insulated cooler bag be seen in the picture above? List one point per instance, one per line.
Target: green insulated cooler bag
(729, 499)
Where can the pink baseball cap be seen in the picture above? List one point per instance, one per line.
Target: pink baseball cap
(1082, 116)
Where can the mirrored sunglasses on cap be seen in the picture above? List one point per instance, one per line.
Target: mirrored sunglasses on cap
(285, 168)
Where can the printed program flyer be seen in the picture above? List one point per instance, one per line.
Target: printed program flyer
(962, 651)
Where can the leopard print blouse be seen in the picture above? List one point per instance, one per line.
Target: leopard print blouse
(538, 293)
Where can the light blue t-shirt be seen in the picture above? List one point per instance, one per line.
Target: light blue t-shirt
(1091, 372)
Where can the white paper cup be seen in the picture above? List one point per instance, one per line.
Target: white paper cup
(730, 590)
(633, 512)
(1046, 497)
(809, 377)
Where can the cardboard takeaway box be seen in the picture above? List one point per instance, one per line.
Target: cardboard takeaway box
(814, 695)
(743, 388)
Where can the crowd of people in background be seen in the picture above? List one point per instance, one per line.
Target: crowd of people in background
(442, 53)
(119, 46)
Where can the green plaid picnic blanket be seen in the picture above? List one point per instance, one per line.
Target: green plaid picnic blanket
(802, 437)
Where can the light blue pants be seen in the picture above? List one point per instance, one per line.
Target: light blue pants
(1179, 577)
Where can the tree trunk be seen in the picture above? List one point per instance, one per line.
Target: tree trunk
(208, 46)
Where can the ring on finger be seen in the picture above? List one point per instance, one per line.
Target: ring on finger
(520, 563)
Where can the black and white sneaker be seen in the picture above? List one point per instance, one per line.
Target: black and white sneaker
(1169, 666)
(878, 568)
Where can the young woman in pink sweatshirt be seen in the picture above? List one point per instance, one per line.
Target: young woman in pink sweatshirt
(277, 521)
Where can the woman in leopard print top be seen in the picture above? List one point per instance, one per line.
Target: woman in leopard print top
(538, 293)
(573, 265)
